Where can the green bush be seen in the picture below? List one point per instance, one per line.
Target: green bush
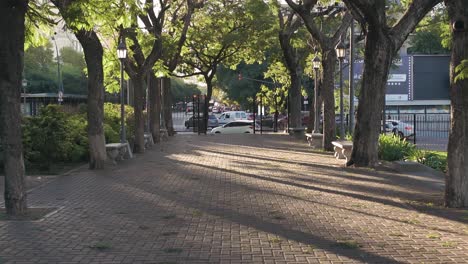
(112, 120)
(433, 159)
(111, 135)
(77, 137)
(392, 148)
(54, 136)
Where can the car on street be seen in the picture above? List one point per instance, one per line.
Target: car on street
(398, 128)
(189, 107)
(216, 109)
(212, 121)
(235, 127)
(227, 117)
(283, 121)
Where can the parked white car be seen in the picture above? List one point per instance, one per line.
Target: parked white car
(235, 127)
(230, 116)
(403, 130)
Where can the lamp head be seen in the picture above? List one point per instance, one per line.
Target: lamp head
(316, 62)
(340, 50)
(122, 50)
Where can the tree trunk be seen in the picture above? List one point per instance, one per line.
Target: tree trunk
(295, 99)
(209, 93)
(328, 97)
(93, 55)
(12, 18)
(310, 124)
(167, 105)
(155, 107)
(378, 58)
(295, 72)
(456, 185)
(138, 95)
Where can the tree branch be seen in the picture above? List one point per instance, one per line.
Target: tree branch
(345, 23)
(304, 12)
(416, 11)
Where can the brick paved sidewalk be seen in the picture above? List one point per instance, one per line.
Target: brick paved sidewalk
(238, 199)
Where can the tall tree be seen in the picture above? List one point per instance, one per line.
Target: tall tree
(76, 14)
(430, 36)
(224, 32)
(327, 43)
(12, 30)
(141, 63)
(242, 90)
(382, 42)
(174, 40)
(289, 23)
(456, 185)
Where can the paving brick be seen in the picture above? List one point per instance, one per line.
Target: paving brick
(237, 199)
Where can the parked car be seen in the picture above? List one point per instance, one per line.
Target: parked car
(216, 109)
(189, 107)
(192, 121)
(212, 121)
(283, 121)
(401, 129)
(227, 117)
(235, 127)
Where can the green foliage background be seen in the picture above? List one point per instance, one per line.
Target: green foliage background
(56, 136)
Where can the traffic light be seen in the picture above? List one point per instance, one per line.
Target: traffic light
(239, 76)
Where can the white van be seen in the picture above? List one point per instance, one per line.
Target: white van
(227, 117)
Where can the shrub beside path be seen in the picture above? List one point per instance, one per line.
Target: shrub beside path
(238, 199)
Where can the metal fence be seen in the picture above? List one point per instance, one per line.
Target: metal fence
(188, 116)
(431, 131)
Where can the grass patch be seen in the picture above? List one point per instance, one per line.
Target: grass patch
(309, 249)
(169, 216)
(359, 206)
(169, 233)
(276, 215)
(173, 250)
(197, 213)
(396, 234)
(433, 236)
(348, 244)
(449, 244)
(101, 246)
(275, 240)
(412, 221)
(433, 159)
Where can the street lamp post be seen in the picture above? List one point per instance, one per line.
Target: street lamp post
(59, 75)
(316, 63)
(24, 83)
(122, 55)
(351, 78)
(340, 52)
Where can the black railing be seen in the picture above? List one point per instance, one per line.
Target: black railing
(431, 131)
